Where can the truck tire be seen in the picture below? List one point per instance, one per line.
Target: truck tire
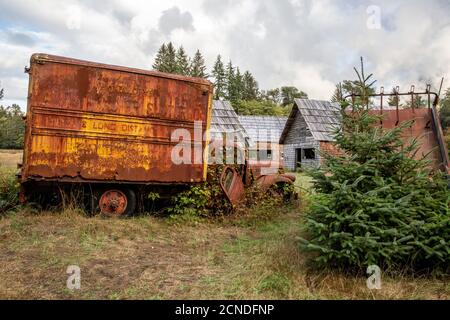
(116, 202)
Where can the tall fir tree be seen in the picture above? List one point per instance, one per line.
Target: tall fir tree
(416, 101)
(182, 62)
(170, 63)
(160, 58)
(338, 95)
(250, 89)
(165, 60)
(363, 87)
(375, 203)
(234, 84)
(218, 72)
(197, 67)
(230, 83)
(238, 84)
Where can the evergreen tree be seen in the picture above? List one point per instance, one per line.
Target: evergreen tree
(229, 76)
(250, 89)
(170, 63)
(444, 111)
(233, 84)
(1, 93)
(12, 127)
(238, 84)
(363, 90)
(165, 60)
(394, 100)
(160, 58)
(444, 116)
(375, 204)
(182, 62)
(218, 72)
(416, 101)
(197, 67)
(338, 94)
(362, 87)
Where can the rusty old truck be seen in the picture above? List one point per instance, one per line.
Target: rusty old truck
(108, 129)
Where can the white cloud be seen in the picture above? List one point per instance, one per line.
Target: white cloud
(309, 44)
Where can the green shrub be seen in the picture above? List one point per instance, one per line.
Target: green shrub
(207, 199)
(201, 200)
(376, 204)
(9, 189)
(192, 202)
(12, 127)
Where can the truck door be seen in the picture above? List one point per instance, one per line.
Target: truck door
(232, 185)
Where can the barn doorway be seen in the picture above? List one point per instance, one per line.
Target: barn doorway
(302, 154)
(298, 158)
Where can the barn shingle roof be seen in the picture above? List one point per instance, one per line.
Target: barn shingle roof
(321, 117)
(263, 128)
(225, 120)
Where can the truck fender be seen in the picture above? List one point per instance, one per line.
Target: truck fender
(265, 182)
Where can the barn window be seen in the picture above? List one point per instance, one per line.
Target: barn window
(309, 153)
(265, 154)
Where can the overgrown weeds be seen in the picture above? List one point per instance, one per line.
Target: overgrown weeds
(207, 200)
(9, 190)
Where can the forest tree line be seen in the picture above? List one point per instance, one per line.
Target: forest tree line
(12, 126)
(230, 82)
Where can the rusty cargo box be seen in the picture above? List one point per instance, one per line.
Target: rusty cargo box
(101, 123)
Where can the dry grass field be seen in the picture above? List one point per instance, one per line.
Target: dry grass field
(10, 158)
(250, 256)
(153, 258)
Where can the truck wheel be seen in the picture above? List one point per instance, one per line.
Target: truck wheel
(117, 202)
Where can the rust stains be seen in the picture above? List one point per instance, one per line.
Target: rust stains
(421, 129)
(232, 185)
(96, 122)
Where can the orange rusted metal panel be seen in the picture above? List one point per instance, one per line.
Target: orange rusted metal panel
(95, 122)
(421, 129)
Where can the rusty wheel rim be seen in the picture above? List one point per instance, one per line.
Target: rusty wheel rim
(113, 202)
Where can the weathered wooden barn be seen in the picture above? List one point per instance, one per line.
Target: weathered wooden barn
(224, 120)
(264, 135)
(308, 131)
(225, 125)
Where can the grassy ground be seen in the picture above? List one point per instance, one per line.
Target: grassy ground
(251, 256)
(151, 258)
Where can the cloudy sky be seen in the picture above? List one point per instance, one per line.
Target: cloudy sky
(308, 44)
